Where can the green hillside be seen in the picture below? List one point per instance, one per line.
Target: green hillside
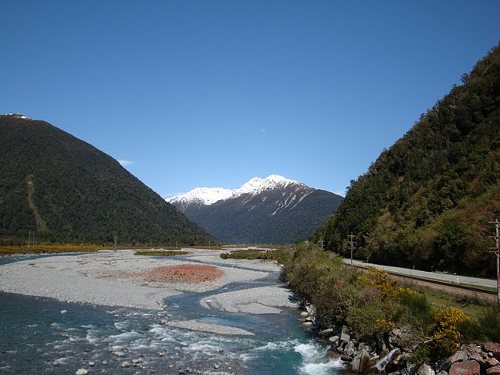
(66, 190)
(427, 200)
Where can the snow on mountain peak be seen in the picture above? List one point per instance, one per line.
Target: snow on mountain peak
(204, 195)
(209, 196)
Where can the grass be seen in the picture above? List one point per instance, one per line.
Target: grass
(161, 253)
(278, 255)
(50, 248)
(470, 306)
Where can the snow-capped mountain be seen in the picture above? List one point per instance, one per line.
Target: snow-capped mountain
(272, 209)
(209, 195)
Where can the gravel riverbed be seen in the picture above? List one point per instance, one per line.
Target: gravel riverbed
(120, 278)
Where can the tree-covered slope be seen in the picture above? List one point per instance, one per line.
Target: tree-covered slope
(427, 200)
(66, 190)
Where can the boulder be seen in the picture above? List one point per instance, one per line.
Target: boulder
(334, 340)
(472, 349)
(349, 349)
(458, 357)
(344, 335)
(81, 371)
(477, 357)
(360, 363)
(494, 348)
(493, 370)
(491, 362)
(327, 332)
(442, 372)
(465, 368)
(425, 370)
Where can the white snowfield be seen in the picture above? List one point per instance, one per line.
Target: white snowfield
(210, 195)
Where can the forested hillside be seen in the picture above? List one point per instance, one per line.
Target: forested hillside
(65, 190)
(427, 200)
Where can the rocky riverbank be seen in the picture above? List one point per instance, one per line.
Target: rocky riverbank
(396, 354)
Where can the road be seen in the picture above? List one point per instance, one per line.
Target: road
(432, 276)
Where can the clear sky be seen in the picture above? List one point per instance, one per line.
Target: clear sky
(212, 93)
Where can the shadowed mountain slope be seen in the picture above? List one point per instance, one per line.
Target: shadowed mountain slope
(67, 190)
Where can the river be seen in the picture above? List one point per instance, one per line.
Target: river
(46, 336)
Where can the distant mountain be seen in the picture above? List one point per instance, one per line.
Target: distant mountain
(270, 210)
(429, 199)
(64, 189)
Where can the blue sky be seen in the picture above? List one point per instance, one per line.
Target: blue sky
(212, 93)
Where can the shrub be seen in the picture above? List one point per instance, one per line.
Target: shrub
(447, 336)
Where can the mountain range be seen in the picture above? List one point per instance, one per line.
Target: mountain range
(65, 190)
(270, 210)
(430, 199)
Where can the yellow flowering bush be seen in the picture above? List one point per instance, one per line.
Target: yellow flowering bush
(381, 281)
(383, 325)
(447, 336)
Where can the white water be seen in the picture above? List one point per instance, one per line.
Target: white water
(381, 363)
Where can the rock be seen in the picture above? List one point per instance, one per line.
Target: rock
(308, 324)
(64, 311)
(349, 349)
(491, 362)
(458, 357)
(126, 364)
(476, 357)
(81, 371)
(494, 348)
(493, 370)
(216, 366)
(360, 363)
(334, 340)
(119, 354)
(311, 310)
(327, 332)
(304, 314)
(465, 368)
(472, 349)
(425, 370)
(344, 335)
(442, 372)
(91, 364)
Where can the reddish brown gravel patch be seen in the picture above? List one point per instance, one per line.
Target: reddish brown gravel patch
(184, 273)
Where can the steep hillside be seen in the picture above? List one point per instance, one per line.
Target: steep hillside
(66, 190)
(271, 210)
(427, 201)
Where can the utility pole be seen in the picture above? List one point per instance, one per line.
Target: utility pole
(496, 251)
(351, 244)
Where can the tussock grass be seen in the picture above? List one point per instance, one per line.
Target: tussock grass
(161, 253)
(50, 248)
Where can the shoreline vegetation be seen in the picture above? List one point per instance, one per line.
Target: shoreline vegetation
(366, 317)
(59, 248)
